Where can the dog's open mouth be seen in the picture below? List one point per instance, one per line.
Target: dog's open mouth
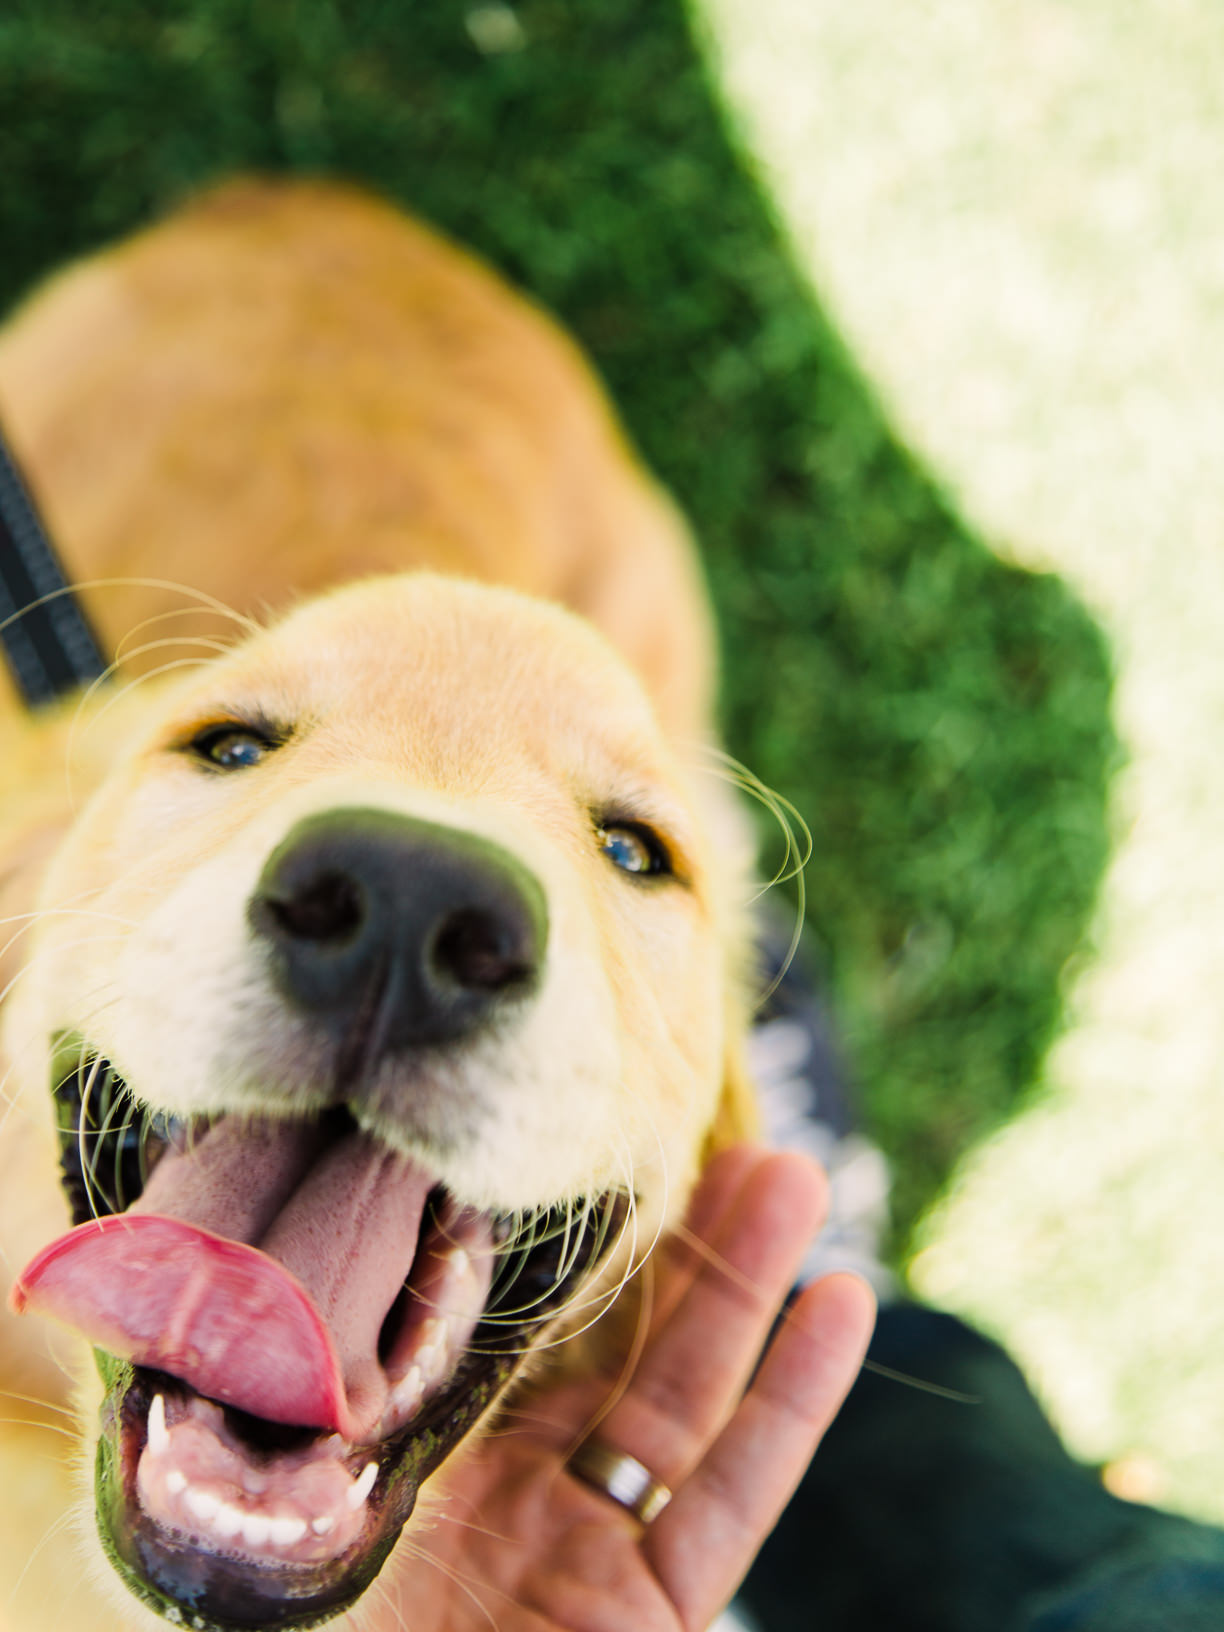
(296, 1326)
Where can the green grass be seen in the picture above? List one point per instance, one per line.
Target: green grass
(940, 719)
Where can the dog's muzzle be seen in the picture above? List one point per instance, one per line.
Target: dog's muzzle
(296, 1323)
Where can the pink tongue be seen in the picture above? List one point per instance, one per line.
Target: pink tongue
(255, 1267)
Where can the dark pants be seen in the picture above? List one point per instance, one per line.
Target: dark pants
(922, 1514)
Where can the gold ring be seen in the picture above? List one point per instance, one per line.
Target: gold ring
(622, 1477)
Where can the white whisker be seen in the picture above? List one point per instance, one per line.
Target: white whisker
(53, 1530)
(121, 692)
(797, 842)
(82, 721)
(466, 1583)
(199, 596)
(36, 1400)
(86, 1089)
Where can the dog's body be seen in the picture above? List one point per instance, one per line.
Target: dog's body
(286, 390)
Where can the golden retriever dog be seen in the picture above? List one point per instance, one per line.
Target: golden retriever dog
(370, 953)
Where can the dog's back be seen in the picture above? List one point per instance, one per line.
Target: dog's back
(292, 385)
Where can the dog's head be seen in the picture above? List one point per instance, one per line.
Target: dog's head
(395, 1033)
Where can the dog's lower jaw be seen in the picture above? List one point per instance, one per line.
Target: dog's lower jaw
(193, 1584)
(194, 1579)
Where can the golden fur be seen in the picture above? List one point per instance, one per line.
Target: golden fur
(282, 392)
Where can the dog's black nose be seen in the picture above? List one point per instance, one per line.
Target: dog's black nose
(405, 931)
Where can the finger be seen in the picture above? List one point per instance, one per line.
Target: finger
(693, 1371)
(702, 1545)
(720, 1182)
(679, 1258)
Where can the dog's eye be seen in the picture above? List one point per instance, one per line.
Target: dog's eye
(633, 849)
(232, 747)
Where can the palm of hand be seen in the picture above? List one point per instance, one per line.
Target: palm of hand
(520, 1544)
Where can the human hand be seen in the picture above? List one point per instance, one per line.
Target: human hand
(524, 1545)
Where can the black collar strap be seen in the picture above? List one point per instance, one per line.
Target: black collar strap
(48, 642)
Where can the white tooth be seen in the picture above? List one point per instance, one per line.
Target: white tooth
(358, 1492)
(287, 1531)
(458, 1279)
(228, 1521)
(159, 1434)
(431, 1356)
(176, 1481)
(323, 1524)
(203, 1504)
(256, 1528)
(407, 1393)
(434, 1332)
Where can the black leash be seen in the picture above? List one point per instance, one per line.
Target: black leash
(48, 642)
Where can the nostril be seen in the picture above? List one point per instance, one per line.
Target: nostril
(481, 950)
(329, 908)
